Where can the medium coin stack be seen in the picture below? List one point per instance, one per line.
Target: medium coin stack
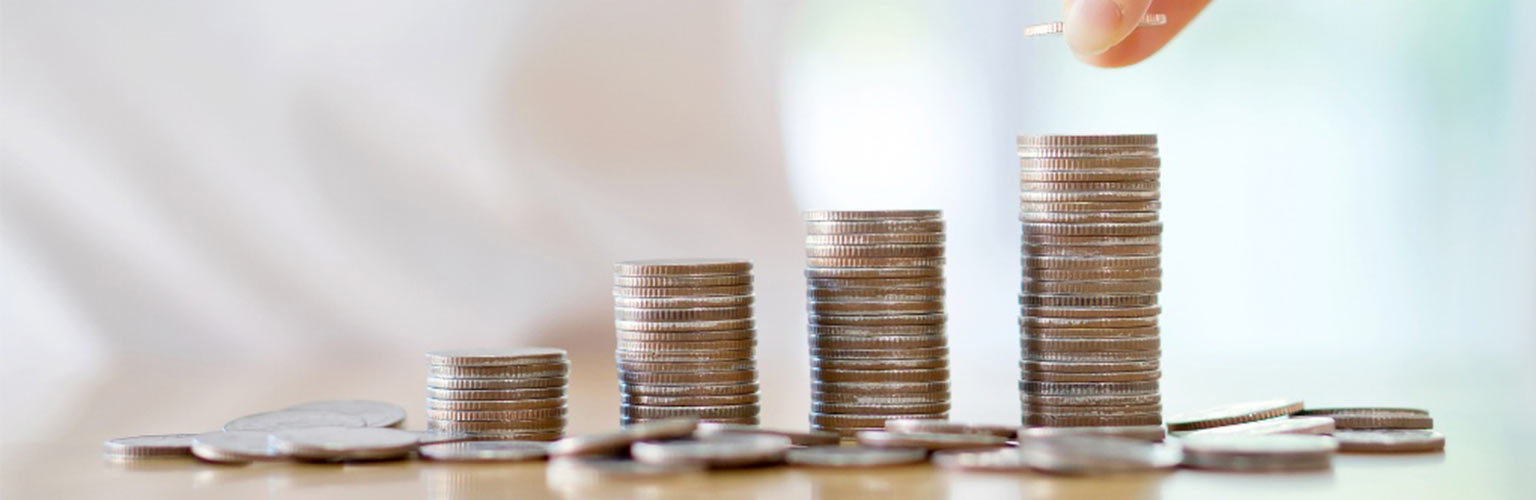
(685, 340)
(498, 393)
(1091, 259)
(875, 296)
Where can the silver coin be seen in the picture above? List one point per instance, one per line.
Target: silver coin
(1097, 454)
(1142, 432)
(1286, 425)
(797, 438)
(235, 447)
(345, 443)
(493, 356)
(1259, 453)
(855, 456)
(721, 450)
(947, 427)
(486, 451)
(150, 446)
(436, 436)
(1238, 413)
(998, 460)
(1390, 440)
(615, 442)
(929, 440)
(373, 413)
(294, 419)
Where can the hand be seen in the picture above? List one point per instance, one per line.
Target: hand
(1103, 32)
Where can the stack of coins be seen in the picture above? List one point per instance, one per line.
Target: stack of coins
(1091, 260)
(875, 295)
(498, 393)
(685, 340)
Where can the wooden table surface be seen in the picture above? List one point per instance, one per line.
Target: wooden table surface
(1489, 452)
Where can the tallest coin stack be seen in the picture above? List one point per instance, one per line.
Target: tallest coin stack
(1091, 250)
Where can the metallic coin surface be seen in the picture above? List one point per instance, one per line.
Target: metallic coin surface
(934, 282)
(855, 456)
(1285, 425)
(709, 412)
(868, 239)
(519, 372)
(618, 441)
(294, 419)
(1276, 452)
(909, 353)
(643, 400)
(677, 267)
(490, 356)
(688, 314)
(538, 426)
(688, 390)
(345, 443)
(1390, 440)
(871, 215)
(929, 440)
(716, 451)
(1141, 432)
(1097, 455)
(235, 447)
(683, 302)
(877, 342)
(682, 281)
(797, 438)
(1233, 414)
(869, 422)
(149, 446)
(496, 415)
(931, 426)
(624, 336)
(684, 356)
(836, 376)
(373, 413)
(879, 364)
(550, 382)
(1375, 418)
(486, 451)
(874, 226)
(881, 388)
(495, 394)
(681, 291)
(495, 405)
(684, 326)
(879, 409)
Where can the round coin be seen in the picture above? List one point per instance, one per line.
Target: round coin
(496, 415)
(1088, 217)
(1240, 452)
(929, 440)
(835, 376)
(701, 366)
(871, 215)
(687, 390)
(373, 413)
(935, 282)
(682, 281)
(1093, 287)
(494, 394)
(684, 326)
(235, 447)
(1286, 425)
(345, 443)
(691, 314)
(494, 405)
(703, 412)
(997, 460)
(1375, 418)
(870, 422)
(625, 336)
(717, 451)
(1093, 274)
(855, 456)
(873, 308)
(1390, 440)
(866, 239)
(149, 446)
(1087, 140)
(872, 342)
(930, 426)
(1233, 414)
(875, 226)
(524, 371)
(688, 378)
(1141, 432)
(677, 267)
(293, 419)
(879, 364)
(797, 438)
(880, 320)
(880, 388)
(874, 261)
(486, 451)
(1097, 454)
(616, 442)
(880, 409)
(680, 291)
(556, 380)
(496, 356)
(683, 302)
(1092, 312)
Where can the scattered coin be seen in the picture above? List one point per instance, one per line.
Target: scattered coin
(855, 456)
(486, 451)
(293, 419)
(1390, 440)
(1285, 425)
(1375, 418)
(150, 446)
(929, 440)
(1097, 455)
(373, 413)
(616, 442)
(235, 447)
(717, 451)
(1275, 452)
(345, 443)
(797, 438)
(997, 460)
(1141, 432)
(946, 427)
(1233, 414)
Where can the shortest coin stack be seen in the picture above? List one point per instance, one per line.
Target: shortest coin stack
(498, 393)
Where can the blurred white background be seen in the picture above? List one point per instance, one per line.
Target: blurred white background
(1349, 188)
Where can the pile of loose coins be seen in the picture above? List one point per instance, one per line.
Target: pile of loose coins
(686, 340)
(875, 300)
(502, 393)
(1091, 248)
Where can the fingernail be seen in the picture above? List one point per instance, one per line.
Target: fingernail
(1091, 25)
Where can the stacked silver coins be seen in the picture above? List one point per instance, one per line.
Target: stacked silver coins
(875, 298)
(1092, 271)
(686, 340)
(498, 393)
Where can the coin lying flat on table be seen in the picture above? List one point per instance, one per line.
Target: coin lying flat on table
(855, 456)
(929, 440)
(294, 419)
(150, 446)
(1390, 440)
(486, 451)
(1097, 454)
(946, 427)
(721, 450)
(620, 440)
(997, 460)
(1375, 418)
(1141, 432)
(797, 438)
(345, 443)
(1233, 414)
(235, 447)
(1287, 425)
(373, 413)
(1276, 452)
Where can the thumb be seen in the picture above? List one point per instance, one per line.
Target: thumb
(1093, 26)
